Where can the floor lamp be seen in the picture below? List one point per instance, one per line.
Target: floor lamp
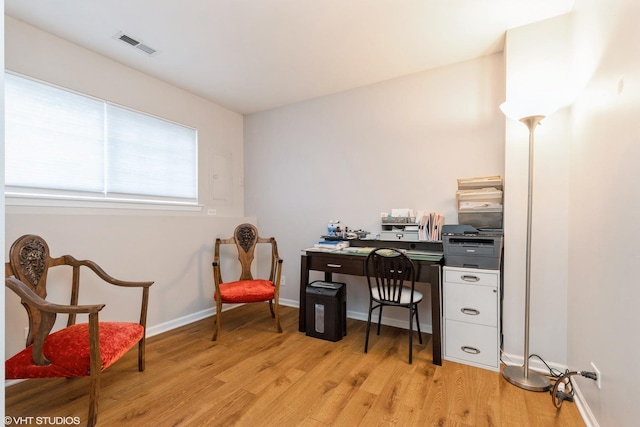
(521, 376)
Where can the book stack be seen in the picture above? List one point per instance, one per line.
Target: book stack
(332, 245)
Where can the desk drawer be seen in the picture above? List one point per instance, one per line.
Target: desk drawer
(408, 236)
(341, 265)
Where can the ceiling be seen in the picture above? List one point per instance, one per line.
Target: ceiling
(253, 55)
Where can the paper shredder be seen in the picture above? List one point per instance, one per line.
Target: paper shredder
(326, 310)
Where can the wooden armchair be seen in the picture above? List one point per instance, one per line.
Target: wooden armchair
(83, 349)
(247, 289)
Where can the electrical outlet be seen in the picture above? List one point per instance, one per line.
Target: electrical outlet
(211, 211)
(283, 281)
(599, 377)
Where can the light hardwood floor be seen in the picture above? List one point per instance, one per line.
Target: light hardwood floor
(253, 376)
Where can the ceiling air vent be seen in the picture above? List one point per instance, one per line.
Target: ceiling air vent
(135, 43)
(146, 49)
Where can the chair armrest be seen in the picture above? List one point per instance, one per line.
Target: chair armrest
(76, 264)
(217, 274)
(48, 312)
(33, 300)
(70, 260)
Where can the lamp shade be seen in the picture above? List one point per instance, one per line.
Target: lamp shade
(519, 110)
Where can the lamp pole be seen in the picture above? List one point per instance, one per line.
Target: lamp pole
(520, 375)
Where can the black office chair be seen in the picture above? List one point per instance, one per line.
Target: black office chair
(391, 277)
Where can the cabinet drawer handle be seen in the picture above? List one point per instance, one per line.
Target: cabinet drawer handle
(399, 235)
(470, 350)
(469, 278)
(470, 311)
(334, 265)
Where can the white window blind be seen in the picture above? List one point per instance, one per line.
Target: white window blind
(61, 143)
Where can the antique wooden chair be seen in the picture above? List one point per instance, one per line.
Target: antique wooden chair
(82, 349)
(391, 277)
(247, 289)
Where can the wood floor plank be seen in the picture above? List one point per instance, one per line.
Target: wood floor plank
(355, 409)
(253, 376)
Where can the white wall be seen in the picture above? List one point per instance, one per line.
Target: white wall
(402, 143)
(604, 209)
(584, 296)
(174, 249)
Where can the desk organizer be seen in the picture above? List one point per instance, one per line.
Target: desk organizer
(399, 228)
(480, 202)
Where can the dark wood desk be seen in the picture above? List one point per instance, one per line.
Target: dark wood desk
(428, 271)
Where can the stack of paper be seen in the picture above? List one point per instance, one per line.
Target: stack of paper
(430, 226)
(335, 245)
(479, 202)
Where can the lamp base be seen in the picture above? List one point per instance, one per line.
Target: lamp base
(532, 382)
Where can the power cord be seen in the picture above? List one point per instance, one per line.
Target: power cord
(563, 388)
(555, 373)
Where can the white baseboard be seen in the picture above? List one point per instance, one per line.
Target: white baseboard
(587, 415)
(182, 321)
(194, 317)
(535, 364)
(396, 323)
(289, 303)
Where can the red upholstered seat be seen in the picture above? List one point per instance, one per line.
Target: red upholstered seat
(244, 291)
(68, 351)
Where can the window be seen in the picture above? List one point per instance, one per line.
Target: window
(63, 144)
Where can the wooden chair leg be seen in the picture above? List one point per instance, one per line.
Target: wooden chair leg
(273, 314)
(95, 367)
(141, 351)
(93, 399)
(218, 315)
(277, 316)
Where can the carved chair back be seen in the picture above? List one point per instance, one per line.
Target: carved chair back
(246, 238)
(29, 262)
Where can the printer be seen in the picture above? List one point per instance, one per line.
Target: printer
(468, 247)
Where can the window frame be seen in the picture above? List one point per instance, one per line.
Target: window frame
(38, 197)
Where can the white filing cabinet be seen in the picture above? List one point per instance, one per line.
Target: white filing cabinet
(472, 316)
